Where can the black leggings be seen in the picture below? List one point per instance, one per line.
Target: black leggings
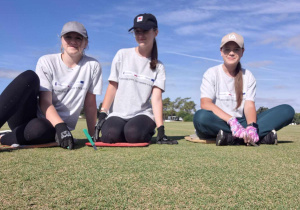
(136, 130)
(18, 107)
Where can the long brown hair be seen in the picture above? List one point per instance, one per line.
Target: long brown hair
(154, 54)
(238, 85)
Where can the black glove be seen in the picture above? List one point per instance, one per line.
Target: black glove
(98, 126)
(63, 136)
(162, 138)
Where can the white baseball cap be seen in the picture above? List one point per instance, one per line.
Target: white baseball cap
(233, 37)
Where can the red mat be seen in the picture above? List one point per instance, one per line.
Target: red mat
(119, 144)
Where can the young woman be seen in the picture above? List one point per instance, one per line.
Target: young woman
(227, 102)
(44, 106)
(136, 76)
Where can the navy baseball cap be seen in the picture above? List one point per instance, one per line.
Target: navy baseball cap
(144, 21)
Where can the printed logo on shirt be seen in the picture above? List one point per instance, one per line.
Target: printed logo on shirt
(138, 76)
(66, 87)
(139, 19)
(228, 94)
(69, 84)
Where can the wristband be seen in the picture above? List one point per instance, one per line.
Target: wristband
(253, 125)
(104, 110)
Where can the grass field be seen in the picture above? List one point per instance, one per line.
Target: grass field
(187, 175)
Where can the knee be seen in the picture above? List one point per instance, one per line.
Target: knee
(30, 78)
(133, 135)
(111, 134)
(39, 128)
(202, 116)
(287, 111)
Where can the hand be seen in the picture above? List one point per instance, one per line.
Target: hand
(162, 138)
(236, 128)
(252, 135)
(63, 136)
(98, 126)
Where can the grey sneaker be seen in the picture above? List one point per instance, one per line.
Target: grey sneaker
(270, 138)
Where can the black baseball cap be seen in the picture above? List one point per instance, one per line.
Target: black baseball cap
(144, 21)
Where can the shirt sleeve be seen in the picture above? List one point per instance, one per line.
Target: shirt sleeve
(207, 89)
(96, 86)
(251, 87)
(160, 79)
(44, 75)
(115, 68)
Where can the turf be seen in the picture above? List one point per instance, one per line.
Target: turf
(187, 175)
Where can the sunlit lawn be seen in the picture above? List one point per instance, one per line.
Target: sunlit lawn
(187, 175)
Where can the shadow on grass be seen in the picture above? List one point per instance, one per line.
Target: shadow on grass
(153, 140)
(80, 143)
(6, 150)
(283, 142)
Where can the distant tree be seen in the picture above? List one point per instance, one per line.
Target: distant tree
(188, 118)
(189, 106)
(180, 107)
(296, 118)
(261, 109)
(168, 108)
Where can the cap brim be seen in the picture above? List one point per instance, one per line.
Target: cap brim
(144, 27)
(65, 32)
(222, 44)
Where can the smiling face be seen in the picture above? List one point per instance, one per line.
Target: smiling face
(73, 44)
(145, 38)
(231, 53)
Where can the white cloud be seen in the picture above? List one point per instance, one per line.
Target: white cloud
(184, 16)
(198, 57)
(294, 42)
(9, 74)
(258, 64)
(278, 7)
(272, 102)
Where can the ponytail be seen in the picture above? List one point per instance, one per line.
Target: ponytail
(238, 85)
(154, 55)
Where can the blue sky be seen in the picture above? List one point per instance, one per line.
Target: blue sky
(189, 36)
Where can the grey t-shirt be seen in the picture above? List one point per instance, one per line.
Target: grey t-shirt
(69, 86)
(135, 82)
(219, 87)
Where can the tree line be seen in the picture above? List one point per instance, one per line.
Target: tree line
(181, 107)
(185, 108)
(296, 118)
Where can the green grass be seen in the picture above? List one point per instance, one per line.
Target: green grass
(188, 175)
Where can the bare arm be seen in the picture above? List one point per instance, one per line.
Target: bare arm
(48, 109)
(110, 95)
(206, 103)
(157, 106)
(90, 109)
(250, 112)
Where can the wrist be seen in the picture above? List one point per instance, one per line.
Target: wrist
(253, 124)
(161, 130)
(102, 115)
(61, 125)
(104, 110)
(232, 119)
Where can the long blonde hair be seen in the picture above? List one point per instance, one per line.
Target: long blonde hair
(238, 85)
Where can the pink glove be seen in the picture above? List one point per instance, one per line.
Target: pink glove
(252, 134)
(236, 128)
